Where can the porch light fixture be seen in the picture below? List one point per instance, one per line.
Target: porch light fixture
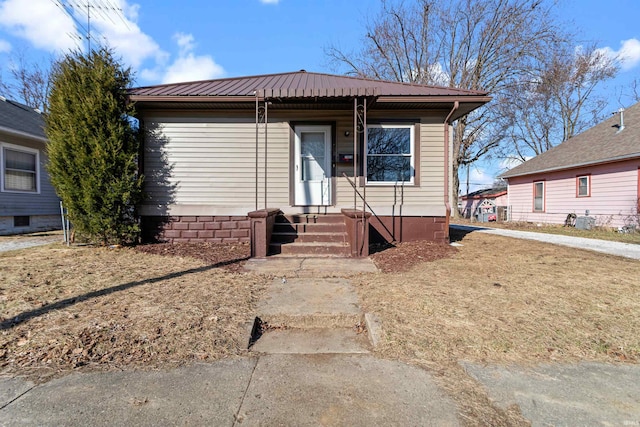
(347, 133)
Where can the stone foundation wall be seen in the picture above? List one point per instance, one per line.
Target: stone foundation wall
(212, 229)
(406, 229)
(36, 223)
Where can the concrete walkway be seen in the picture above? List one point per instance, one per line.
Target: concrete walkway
(581, 394)
(314, 369)
(269, 390)
(626, 250)
(310, 266)
(309, 390)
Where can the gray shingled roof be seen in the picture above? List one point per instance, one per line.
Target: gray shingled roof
(18, 117)
(297, 85)
(599, 144)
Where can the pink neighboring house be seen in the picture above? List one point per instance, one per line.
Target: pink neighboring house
(597, 171)
(470, 202)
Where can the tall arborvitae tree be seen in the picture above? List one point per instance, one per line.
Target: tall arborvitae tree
(93, 147)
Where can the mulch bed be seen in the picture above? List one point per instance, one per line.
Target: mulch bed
(230, 257)
(403, 256)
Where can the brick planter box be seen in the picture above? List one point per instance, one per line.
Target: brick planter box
(214, 229)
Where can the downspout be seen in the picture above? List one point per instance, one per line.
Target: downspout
(447, 169)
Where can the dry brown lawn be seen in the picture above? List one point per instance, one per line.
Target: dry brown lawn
(501, 300)
(74, 308)
(493, 300)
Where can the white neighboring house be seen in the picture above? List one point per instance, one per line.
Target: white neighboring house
(28, 202)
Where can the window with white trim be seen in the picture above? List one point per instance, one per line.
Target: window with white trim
(390, 154)
(538, 196)
(583, 186)
(20, 169)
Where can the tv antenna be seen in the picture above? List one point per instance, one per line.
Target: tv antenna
(104, 10)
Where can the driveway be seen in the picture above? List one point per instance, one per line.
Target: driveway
(626, 250)
(22, 241)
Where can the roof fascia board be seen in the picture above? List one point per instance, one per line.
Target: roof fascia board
(301, 94)
(440, 98)
(574, 166)
(20, 133)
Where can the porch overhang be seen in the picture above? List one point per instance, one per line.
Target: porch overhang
(338, 102)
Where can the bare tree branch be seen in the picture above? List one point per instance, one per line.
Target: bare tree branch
(503, 47)
(29, 82)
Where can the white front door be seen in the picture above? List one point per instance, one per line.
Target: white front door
(312, 167)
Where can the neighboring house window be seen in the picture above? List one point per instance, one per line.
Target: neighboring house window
(583, 186)
(19, 169)
(390, 154)
(20, 221)
(538, 196)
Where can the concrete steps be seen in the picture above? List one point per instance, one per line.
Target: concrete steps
(310, 316)
(309, 235)
(312, 341)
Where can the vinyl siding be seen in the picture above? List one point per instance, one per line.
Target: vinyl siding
(23, 204)
(199, 163)
(211, 161)
(613, 199)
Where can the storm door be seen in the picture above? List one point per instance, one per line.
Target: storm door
(312, 168)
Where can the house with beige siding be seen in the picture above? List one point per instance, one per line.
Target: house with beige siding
(595, 174)
(299, 162)
(28, 202)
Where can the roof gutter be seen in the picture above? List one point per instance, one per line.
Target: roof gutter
(199, 98)
(447, 169)
(22, 134)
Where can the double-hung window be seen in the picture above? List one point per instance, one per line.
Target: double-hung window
(19, 169)
(390, 154)
(538, 196)
(583, 186)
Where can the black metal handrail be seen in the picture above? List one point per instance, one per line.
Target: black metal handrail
(355, 188)
(365, 204)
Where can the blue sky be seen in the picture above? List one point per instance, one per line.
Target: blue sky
(167, 40)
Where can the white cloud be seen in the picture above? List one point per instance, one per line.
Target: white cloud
(510, 163)
(432, 74)
(189, 67)
(119, 30)
(41, 22)
(269, 1)
(628, 54)
(5, 46)
(46, 25)
(479, 179)
(184, 42)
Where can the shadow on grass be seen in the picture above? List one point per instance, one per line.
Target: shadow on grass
(28, 315)
(459, 232)
(379, 247)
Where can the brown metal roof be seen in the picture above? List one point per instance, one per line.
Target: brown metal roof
(305, 90)
(299, 84)
(600, 144)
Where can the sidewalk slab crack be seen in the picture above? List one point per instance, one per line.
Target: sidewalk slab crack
(237, 418)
